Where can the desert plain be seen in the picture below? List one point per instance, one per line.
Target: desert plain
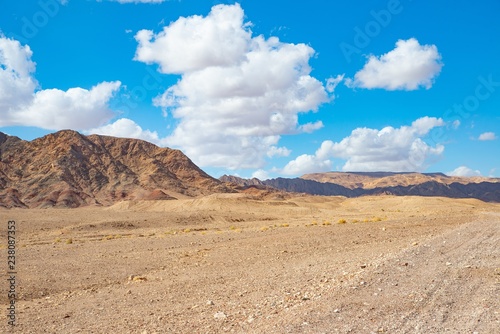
(239, 263)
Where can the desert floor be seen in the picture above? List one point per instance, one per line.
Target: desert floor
(231, 263)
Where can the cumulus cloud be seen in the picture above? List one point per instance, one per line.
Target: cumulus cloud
(53, 109)
(388, 149)
(127, 128)
(464, 171)
(237, 93)
(408, 67)
(303, 164)
(275, 151)
(332, 83)
(260, 174)
(487, 136)
(137, 1)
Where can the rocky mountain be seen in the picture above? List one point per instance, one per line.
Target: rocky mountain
(371, 180)
(400, 184)
(240, 181)
(67, 169)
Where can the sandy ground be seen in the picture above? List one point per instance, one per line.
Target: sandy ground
(229, 263)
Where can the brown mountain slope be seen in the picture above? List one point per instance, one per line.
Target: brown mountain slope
(374, 180)
(408, 184)
(67, 169)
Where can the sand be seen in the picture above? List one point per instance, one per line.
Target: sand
(229, 263)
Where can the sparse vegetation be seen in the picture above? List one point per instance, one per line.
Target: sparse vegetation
(69, 241)
(342, 221)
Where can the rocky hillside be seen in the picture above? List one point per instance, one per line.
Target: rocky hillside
(371, 180)
(67, 169)
(456, 188)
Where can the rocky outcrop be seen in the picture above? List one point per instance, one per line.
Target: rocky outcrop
(484, 190)
(67, 169)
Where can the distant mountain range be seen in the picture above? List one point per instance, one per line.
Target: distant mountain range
(67, 169)
(356, 184)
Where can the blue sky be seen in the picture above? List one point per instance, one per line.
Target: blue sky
(263, 88)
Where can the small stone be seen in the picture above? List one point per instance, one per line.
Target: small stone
(336, 310)
(363, 266)
(448, 263)
(209, 302)
(220, 316)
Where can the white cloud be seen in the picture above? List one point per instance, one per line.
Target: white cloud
(408, 67)
(305, 163)
(237, 94)
(388, 149)
(456, 124)
(52, 109)
(16, 83)
(195, 43)
(275, 151)
(126, 128)
(487, 136)
(138, 1)
(331, 83)
(261, 174)
(311, 127)
(464, 172)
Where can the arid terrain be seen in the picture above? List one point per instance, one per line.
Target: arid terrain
(226, 263)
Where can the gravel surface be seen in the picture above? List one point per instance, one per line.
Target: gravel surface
(233, 264)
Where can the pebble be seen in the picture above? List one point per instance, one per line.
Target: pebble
(209, 302)
(220, 316)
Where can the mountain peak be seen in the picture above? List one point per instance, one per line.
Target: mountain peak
(68, 169)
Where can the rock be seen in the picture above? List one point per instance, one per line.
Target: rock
(209, 302)
(220, 316)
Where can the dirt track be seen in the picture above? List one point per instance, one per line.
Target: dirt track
(228, 263)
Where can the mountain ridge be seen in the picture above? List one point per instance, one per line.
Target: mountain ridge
(483, 190)
(68, 169)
